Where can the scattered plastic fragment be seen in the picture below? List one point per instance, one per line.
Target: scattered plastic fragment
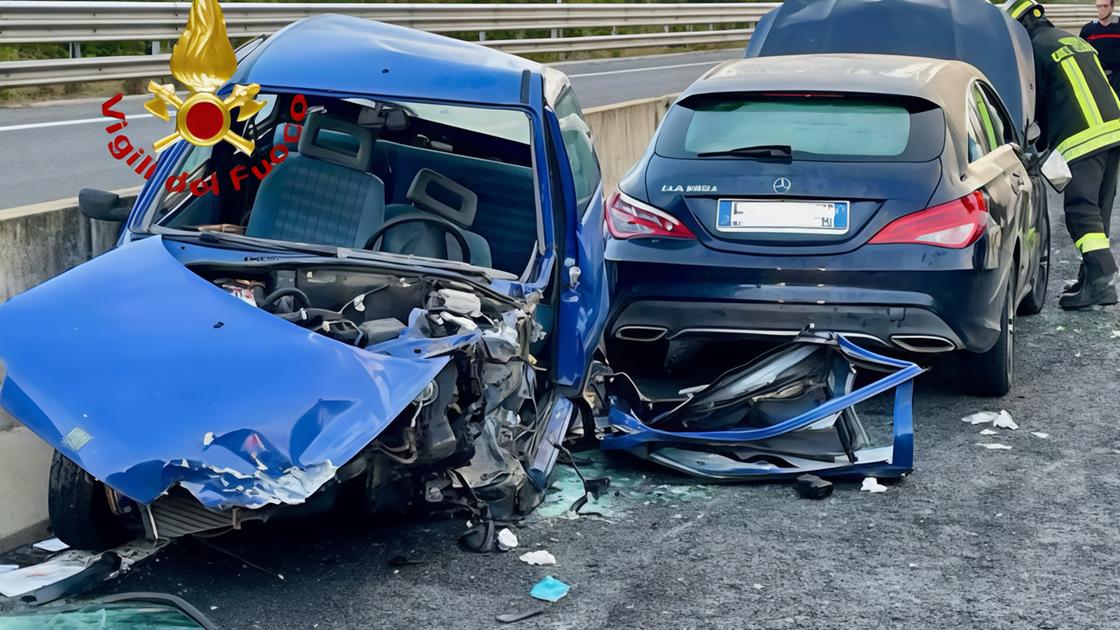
(20, 581)
(521, 616)
(1004, 421)
(1060, 328)
(994, 446)
(51, 544)
(989, 432)
(872, 485)
(980, 417)
(813, 487)
(913, 566)
(1116, 334)
(757, 586)
(550, 590)
(1040, 435)
(507, 540)
(538, 558)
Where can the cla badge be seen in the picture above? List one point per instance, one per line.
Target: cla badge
(782, 185)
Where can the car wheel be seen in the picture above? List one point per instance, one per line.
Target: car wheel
(1033, 303)
(991, 373)
(79, 510)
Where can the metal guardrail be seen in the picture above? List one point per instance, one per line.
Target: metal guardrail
(499, 26)
(76, 22)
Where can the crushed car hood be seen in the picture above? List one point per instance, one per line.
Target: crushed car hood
(146, 376)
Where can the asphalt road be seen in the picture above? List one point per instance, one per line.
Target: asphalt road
(975, 538)
(51, 151)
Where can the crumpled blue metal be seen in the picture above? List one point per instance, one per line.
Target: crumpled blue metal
(147, 375)
(696, 452)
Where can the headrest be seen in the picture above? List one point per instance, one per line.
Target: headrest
(336, 141)
(444, 196)
(284, 134)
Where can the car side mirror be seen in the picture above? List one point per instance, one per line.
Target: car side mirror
(1034, 132)
(102, 205)
(1056, 171)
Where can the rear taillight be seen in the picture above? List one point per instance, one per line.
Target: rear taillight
(629, 218)
(954, 225)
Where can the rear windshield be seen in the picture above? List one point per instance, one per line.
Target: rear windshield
(819, 127)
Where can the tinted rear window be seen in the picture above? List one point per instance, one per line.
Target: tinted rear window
(825, 128)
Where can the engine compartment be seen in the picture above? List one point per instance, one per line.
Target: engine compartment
(469, 439)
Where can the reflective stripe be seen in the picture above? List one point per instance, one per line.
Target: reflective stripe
(1091, 242)
(1078, 45)
(1019, 8)
(1081, 90)
(1091, 140)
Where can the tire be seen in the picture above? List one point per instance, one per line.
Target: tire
(1034, 302)
(991, 373)
(79, 510)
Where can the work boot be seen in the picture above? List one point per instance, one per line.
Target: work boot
(1075, 287)
(1099, 287)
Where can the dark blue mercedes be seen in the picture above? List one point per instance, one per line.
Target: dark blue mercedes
(884, 196)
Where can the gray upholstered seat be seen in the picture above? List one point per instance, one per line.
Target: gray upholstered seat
(323, 194)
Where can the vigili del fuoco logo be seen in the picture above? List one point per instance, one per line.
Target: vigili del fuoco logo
(203, 60)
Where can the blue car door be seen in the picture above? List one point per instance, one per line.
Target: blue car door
(583, 288)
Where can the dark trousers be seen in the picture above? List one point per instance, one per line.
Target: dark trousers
(1090, 195)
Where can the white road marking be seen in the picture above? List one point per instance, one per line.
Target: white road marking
(63, 123)
(625, 70)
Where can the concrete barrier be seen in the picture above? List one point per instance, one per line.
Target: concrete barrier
(40, 241)
(621, 133)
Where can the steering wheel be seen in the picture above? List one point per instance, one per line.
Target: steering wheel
(449, 228)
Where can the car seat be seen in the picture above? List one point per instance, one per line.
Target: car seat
(322, 194)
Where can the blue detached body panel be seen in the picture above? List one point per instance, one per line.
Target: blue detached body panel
(744, 453)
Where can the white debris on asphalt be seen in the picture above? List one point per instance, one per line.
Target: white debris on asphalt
(538, 558)
(757, 587)
(1004, 421)
(1060, 328)
(994, 446)
(51, 544)
(1040, 435)
(989, 432)
(872, 485)
(20, 581)
(507, 540)
(1116, 334)
(980, 417)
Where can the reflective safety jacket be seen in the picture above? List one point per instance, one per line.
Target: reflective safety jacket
(1076, 108)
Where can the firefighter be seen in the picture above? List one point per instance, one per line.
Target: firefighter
(1079, 115)
(1103, 34)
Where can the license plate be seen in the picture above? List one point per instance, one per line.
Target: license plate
(783, 217)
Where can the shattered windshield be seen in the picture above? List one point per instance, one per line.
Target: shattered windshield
(438, 181)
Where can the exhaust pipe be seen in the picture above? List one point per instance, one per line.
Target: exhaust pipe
(924, 344)
(640, 333)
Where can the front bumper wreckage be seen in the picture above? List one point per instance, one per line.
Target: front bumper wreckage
(787, 413)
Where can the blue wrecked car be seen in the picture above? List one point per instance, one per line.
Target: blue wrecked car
(394, 299)
(401, 308)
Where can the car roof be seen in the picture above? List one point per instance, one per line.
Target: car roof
(943, 83)
(337, 53)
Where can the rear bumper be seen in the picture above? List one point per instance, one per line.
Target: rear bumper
(909, 328)
(913, 299)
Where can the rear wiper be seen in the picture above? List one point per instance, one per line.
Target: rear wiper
(762, 150)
